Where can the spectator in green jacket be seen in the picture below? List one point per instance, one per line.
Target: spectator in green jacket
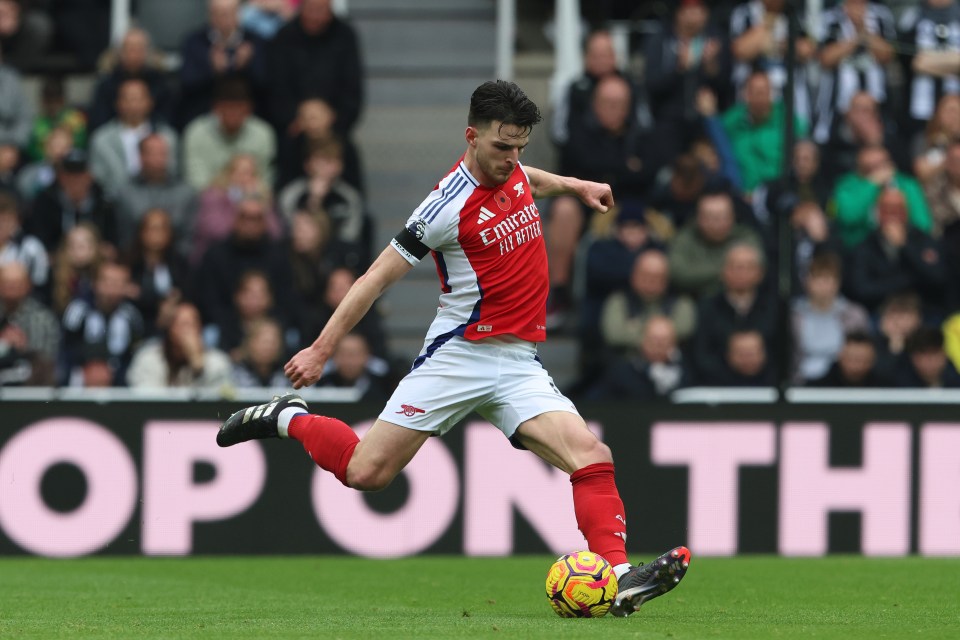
(856, 194)
(755, 129)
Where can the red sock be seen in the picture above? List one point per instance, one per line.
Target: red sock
(599, 511)
(330, 442)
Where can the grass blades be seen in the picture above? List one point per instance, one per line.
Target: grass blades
(454, 597)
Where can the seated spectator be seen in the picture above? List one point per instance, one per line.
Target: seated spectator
(354, 367)
(745, 362)
(609, 264)
(605, 145)
(25, 33)
(211, 140)
(103, 335)
(325, 191)
(218, 205)
(758, 40)
(740, 306)
(625, 313)
(314, 255)
(16, 114)
(370, 326)
(158, 275)
(261, 356)
(17, 246)
(266, 17)
(179, 358)
(574, 104)
(856, 46)
(822, 318)
(927, 366)
(698, 251)
(253, 302)
(860, 127)
(813, 233)
(755, 130)
(248, 247)
(313, 127)
(156, 187)
(857, 194)
(220, 48)
(37, 176)
(896, 256)
(776, 199)
(74, 197)
(29, 332)
(54, 115)
(115, 146)
(679, 189)
(133, 59)
(856, 366)
(75, 265)
(653, 372)
(315, 55)
(899, 317)
(685, 56)
(929, 147)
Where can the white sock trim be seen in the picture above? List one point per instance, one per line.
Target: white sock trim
(621, 569)
(283, 420)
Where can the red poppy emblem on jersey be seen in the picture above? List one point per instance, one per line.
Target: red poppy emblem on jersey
(503, 201)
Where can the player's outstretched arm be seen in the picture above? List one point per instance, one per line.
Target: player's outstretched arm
(595, 195)
(304, 369)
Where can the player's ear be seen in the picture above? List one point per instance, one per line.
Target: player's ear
(471, 135)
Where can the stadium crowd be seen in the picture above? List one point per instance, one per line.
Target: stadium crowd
(195, 226)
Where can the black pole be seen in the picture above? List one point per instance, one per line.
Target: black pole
(782, 218)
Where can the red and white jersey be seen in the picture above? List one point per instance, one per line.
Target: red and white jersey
(487, 243)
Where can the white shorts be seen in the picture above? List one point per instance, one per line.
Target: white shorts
(500, 378)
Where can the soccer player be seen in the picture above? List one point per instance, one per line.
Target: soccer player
(484, 231)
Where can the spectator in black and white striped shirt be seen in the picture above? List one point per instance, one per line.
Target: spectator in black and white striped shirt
(930, 36)
(856, 44)
(16, 246)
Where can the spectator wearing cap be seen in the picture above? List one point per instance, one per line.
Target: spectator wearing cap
(698, 251)
(74, 197)
(927, 365)
(115, 147)
(625, 313)
(211, 140)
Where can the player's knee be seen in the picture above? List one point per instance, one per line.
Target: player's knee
(368, 478)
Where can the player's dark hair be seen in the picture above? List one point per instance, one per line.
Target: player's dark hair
(504, 102)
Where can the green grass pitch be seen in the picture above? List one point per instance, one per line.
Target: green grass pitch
(452, 597)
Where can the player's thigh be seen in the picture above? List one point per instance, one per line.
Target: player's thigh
(563, 440)
(381, 454)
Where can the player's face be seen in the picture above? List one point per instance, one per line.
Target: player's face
(497, 148)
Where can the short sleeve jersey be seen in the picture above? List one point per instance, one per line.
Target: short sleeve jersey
(487, 243)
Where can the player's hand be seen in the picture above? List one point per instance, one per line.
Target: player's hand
(597, 196)
(305, 368)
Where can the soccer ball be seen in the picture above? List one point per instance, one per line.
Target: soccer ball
(581, 585)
